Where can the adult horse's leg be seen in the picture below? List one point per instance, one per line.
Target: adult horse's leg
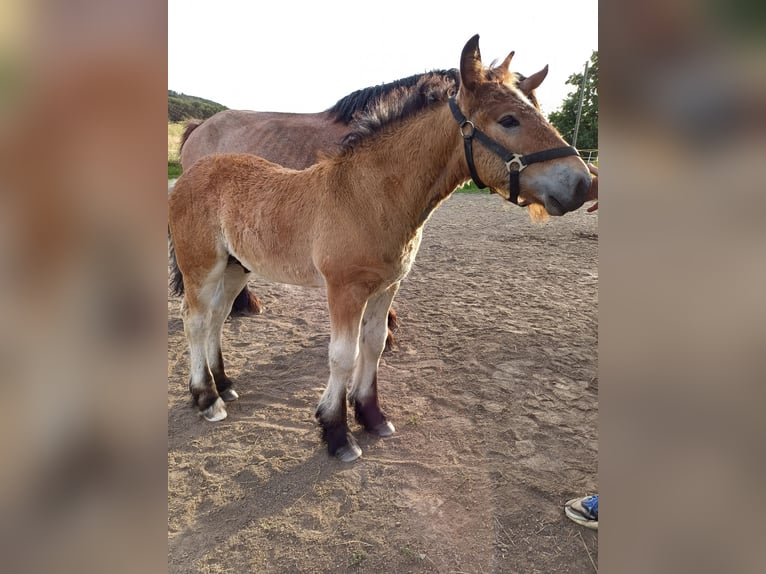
(364, 390)
(393, 323)
(235, 277)
(346, 303)
(247, 303)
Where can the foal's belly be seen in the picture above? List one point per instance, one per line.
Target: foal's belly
(292, 273)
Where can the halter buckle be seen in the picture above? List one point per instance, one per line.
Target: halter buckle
(517, 161)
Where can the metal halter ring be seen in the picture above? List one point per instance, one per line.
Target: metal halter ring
(515, 160)
(468, 135)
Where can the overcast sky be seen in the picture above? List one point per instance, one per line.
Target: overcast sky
(302, 56)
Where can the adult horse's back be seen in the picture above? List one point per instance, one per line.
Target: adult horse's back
(291, 140)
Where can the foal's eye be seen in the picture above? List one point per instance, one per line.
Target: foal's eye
(508, 122)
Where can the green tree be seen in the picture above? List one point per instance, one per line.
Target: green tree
(565, 117)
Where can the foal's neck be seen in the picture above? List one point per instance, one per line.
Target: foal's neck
(414, 166)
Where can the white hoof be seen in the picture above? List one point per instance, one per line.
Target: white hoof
(349, 452)
(229, 395)
(384, 429)
(215, 412)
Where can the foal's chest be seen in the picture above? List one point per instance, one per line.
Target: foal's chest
(407, 255)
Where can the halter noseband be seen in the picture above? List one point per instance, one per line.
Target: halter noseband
(514, 162)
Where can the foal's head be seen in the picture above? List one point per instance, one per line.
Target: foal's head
(501, 104)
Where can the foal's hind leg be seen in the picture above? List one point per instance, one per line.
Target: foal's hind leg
(346, 305)
(372, 340)
(203, 302)
(235, 277)
(197, 326)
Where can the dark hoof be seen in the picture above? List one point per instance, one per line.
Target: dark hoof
(350, 451)
(384, 429)
(228, 395)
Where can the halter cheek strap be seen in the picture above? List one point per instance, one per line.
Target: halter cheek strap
(514, 162)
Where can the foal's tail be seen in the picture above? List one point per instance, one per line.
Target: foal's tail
(176, 277)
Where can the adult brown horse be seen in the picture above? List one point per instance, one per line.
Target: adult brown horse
(298, 140)
(352, 223)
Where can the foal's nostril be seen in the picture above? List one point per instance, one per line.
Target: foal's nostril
(582, 189)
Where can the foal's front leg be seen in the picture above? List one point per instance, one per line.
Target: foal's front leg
(346, 305)
(372, 340)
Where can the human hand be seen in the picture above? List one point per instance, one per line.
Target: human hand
(593, 192)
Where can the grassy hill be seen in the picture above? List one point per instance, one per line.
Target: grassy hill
(182, 107)
(175, 129)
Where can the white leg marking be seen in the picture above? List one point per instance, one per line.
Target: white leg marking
(344, 353)
(200, 326)
(372, 342)
(195, 328)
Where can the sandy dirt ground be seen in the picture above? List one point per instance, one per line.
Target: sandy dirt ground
(493, 388)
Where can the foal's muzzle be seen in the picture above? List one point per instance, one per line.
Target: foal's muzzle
(556, 204)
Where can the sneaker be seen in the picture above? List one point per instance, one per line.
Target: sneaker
(583, 511)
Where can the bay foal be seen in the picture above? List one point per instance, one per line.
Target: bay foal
(352, 224)
(298, 140)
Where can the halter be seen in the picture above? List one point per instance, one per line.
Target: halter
(514, 162)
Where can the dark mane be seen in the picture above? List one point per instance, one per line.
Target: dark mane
(399, 100)
(348, 108)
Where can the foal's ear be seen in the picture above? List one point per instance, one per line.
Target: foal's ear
(533, 82)
(507, 62)
(470, 64)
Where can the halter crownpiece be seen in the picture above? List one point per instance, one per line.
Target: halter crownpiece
(514, 162)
